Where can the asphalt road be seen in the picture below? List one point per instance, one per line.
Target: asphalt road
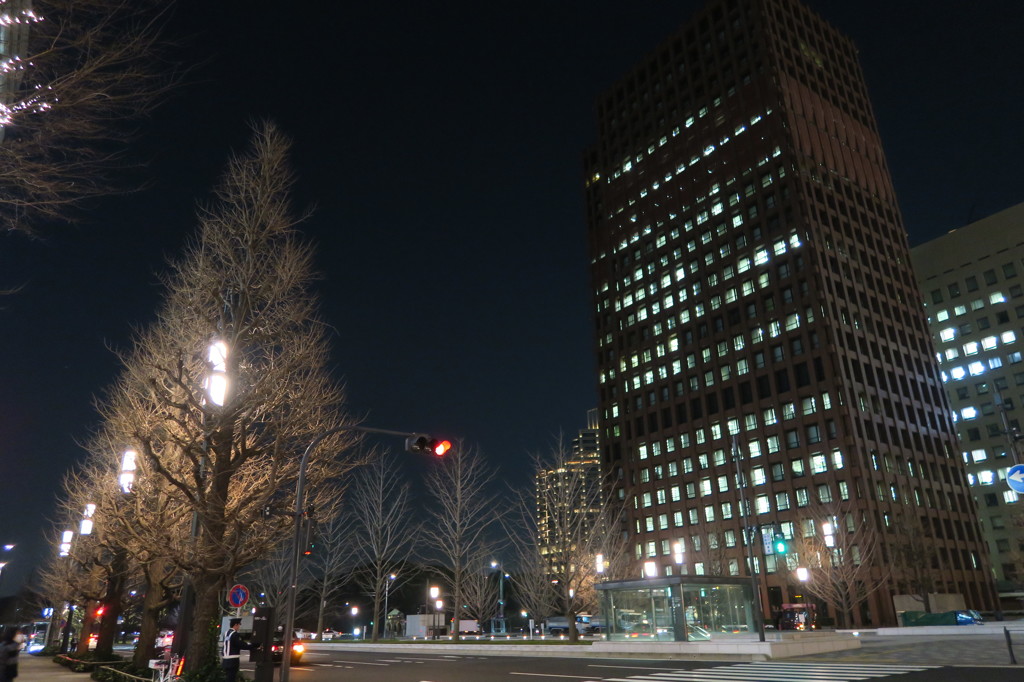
(355, 666)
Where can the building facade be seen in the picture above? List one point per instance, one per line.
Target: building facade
(972, 281)
(569, 498)
(758, 322)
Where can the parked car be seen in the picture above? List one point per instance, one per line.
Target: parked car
(327, 635)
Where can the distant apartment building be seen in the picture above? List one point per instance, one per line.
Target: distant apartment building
(752, 289)
(972, 280)
(569, 494)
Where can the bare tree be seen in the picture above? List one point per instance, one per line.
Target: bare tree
(568, 514)
(383, 529)
(913, 556)
(843, 551)
(223, 393)
(75, 73)
(532, 583)
(462, 515)
(481, 588)
(333, 564)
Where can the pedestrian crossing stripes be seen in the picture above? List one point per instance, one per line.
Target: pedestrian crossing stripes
(781, 671)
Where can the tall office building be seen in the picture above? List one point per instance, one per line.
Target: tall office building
(972, 281)
(752, 285)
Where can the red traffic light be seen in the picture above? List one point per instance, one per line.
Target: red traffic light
(426, 445)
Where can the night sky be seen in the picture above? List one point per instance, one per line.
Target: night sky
(441, 144)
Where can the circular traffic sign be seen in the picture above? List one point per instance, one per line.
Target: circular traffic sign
(238, 595)
(1015, 478)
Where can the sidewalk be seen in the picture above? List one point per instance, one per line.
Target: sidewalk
(43, 669)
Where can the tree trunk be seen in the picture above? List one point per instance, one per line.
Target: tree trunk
(320, 617)
(112, 605)
(376, 612)
(201, 648)
(88, 618)
(152, 604)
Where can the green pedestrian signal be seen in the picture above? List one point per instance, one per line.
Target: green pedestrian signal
(779, 545)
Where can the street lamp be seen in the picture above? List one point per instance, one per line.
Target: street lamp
(439, 604)
(127, 478)
(501, 596)
(387, 588)
(434, 593)
(355, 612)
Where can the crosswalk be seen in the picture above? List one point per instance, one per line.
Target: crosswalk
(781, 671)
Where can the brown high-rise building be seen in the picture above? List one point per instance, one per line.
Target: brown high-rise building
(753, 291)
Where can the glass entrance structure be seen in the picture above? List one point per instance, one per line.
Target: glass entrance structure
(677, 608)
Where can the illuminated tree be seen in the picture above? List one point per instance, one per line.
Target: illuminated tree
(842, 550)
(73, 73)
(223, 393)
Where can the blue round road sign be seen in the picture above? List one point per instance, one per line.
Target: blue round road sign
(1015, 478)
(238, 596)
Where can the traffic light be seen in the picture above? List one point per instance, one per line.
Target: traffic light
(779, 544)
(422, 444)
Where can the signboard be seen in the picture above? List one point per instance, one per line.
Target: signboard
(238, 596)
(1015, 478)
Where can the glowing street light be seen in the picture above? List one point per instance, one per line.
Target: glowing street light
(217, 382)
(65, 542)
(128, 467)
(85, 528)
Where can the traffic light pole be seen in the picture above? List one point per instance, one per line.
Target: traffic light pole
(750, 533)
(293, 569)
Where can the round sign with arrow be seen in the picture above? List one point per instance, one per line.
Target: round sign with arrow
(1015, 478)
(238, 596)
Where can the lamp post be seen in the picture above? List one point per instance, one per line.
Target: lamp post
(300, 499)
(501, 596)
(434, 593)
(387, 588)
(439, 604)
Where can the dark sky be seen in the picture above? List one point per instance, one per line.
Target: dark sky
(441, 144)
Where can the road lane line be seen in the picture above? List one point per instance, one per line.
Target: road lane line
(360, 663)
(574, 677)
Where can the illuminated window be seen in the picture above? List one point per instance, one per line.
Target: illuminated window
(969, 413)
(957, 373)
(942, 315)
(989, 342)
(948, 334)
(976, 368)
(986, 477)
(997, 297)
(971, 348)
(1008, 337)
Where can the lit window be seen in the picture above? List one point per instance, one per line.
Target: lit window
(976, 368)
(948, 334)
(979, 455)
(1010, 496)
(942, 315)
(989, 342)
(969, 412)
(986, 477)
(971, 348)
(1008, 337)
(960, 310)
(997, 298)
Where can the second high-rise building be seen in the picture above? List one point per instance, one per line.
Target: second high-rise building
(752, 290)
